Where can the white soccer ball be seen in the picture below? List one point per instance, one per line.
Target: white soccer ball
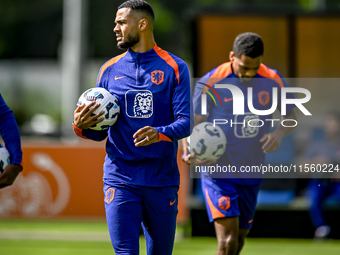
(4, 158)
(207, 141)
(108, 102)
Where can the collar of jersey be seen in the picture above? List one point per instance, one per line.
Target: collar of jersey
(134, 55)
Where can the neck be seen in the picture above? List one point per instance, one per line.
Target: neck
(145, 44)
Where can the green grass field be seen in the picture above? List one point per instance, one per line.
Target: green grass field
(40, 237)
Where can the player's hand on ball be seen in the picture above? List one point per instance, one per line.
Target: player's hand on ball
(190, 159)
(145, 136)
(84, 118)
(186, 158)
(200, 162)
(9, 175)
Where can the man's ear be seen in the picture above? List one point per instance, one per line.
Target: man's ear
(143, 23)
(231, 56)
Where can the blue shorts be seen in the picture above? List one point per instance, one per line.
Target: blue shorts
(228, 199)
(129, 206)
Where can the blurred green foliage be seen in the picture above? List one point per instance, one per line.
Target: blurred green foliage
(32, 30)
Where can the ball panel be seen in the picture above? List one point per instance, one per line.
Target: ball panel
(207, 141)
(108, 102)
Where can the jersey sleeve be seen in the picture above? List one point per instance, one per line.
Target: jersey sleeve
(181, 107)
(95, 135)
(10, 133)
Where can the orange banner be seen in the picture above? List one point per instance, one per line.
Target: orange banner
(61, 180)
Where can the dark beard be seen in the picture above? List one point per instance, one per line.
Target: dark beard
(130, 41)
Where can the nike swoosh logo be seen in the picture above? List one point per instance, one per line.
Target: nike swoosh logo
(171, 203)
(117, 78)
(227, 99)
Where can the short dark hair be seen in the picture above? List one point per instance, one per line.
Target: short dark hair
(248, 44)
(139, 6)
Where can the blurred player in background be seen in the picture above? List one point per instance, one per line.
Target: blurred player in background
(320, 152)
(231, 201)
(141, 176)
(11, 136)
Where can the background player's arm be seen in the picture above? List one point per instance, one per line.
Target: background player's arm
(199, 119)
(272, 141)
(186, 153)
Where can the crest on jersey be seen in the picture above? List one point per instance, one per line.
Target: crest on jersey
(157, 77)
(139, 103)
(109, 195)
(142, 107)
(224, 203)
(248, 126)
(263, 97)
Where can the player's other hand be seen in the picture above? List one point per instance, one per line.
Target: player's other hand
(190, 159)
(271, 141)
(84, 117)
(9, 175)
(145, 136)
